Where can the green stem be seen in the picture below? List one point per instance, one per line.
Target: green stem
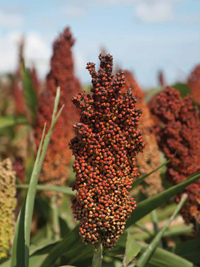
(154, 244)
(35, 175)
(98, 255)
(154, 219)
(55, 218)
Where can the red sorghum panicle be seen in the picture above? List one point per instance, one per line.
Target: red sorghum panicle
(150, 159)
(106, 143)
(55, 169)
(178, 135)
(194, 84)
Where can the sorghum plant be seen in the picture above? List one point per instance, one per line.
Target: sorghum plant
(178, 135)
(150, 158)
(55, 169)
(106, 144)
(7, 205)
(194, 84)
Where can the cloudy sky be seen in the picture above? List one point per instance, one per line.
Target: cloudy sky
(142, 35)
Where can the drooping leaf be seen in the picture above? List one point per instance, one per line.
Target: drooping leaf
(152, 203)
(64, 189)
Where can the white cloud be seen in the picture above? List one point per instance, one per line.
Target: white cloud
(37, 51)
(10, 20)
(74, 12)
(155, 11)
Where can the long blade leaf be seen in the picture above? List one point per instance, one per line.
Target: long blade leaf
(64, 189)
(154, 202)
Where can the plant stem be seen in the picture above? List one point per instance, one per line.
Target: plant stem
(98, 255)
(154, 219)
(55, 218)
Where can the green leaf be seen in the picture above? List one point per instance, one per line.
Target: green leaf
(29, 92)
(35, 175)
(71, 244)
(65, 245)
(152, 203)
(23, 243)
(9, 121)
(182, 88)
(189, 250)
(64, 189)
(164, 258)
(132, 249)
(17, 259)
(155, 242)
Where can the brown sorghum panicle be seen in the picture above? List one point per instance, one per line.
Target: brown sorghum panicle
(194, 84)
(178, 135)
(7, 205)
(55, 169)
(150, 159)
(106, 144)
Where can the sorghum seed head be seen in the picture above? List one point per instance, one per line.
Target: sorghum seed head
(178, 135)
(106, 144)
(194, 84)
(150, 159)
(58, 157)
(7, 205)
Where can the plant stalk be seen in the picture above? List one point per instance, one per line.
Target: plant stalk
(55, 218)
(97, 255)
(154, 219)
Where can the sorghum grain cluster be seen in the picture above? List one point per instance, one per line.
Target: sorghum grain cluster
(150, 159)
(178, 135)
(58, 156)
(7, 205)
(194, 84)
(106, 144)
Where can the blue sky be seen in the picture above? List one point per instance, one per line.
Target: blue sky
(142, 35)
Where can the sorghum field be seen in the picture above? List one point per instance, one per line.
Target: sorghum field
(104, 175)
